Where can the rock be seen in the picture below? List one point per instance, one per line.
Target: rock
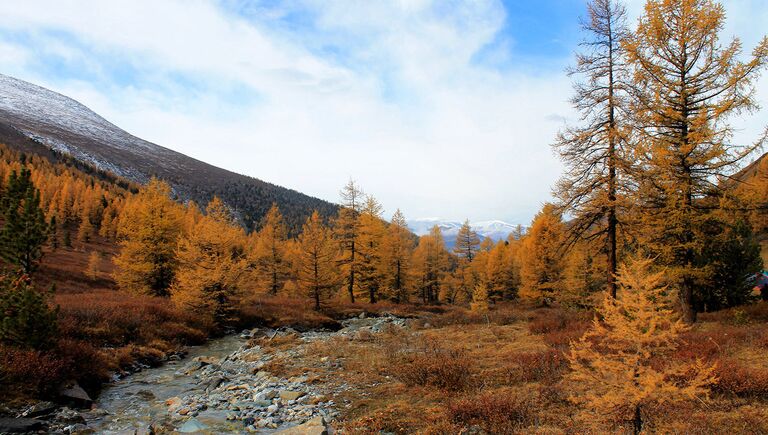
(192, 367)
(146, 395)
(21, 425)
(68, 416)
(249, 421)
(315, 426)
(207, 360)
(173, 404)
(362, 315)
(265, 395)
(184, 411)
(192, 425)
(74, 393)
(79, 429)
(38, 409)
(291, 395)
(262, 403)
(273, 408)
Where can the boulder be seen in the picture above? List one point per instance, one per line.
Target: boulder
(291, 395)
(21, 425)
(212, 383)
(38, 409)
(192, 425)
(315, 426)
(207, 360)
(68, 416)
(73, 392)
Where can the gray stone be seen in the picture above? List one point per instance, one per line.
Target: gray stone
(192, 425)
(38, 409)
(315, 426)
(21, 425)
(73, 392)
(291, 395)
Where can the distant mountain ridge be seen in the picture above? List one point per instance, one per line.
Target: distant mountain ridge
(67, 126)
(494, 229)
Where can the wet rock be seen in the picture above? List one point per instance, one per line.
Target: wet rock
(207, 360)
(21, 425)
(68, 416)
(192, 425)
(265, 395)
(173, 404)
(212, 383)
(38, 409)
(315, 426)
(74, 393)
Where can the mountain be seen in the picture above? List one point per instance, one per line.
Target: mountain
(495, 229)
(51, 121)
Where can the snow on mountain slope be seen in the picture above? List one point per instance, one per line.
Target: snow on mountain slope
(67, 126)
(495, 229)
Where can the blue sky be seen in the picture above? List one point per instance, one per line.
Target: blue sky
(439, 107)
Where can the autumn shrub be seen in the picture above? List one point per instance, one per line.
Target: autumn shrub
(735, 379)
(559, 328)
(430, 364)
(496, 412)
(276, 311)
(545, 366)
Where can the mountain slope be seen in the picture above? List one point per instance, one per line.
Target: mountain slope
(495, 229)
(64, 125)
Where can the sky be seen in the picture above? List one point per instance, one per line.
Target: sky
(442, 108)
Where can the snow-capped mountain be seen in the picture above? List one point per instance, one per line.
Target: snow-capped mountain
(495, 229)
(35, 119)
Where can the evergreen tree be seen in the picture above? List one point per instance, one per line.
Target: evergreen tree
(26, 319)
(541, 266)
(397, 249)
(25, 230)
(269, 256)
(370, 237)
(467, 242)
(430, 261)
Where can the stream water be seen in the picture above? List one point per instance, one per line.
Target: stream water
(131, 404)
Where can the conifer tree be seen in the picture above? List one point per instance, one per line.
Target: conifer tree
(269, 257)
(371, 234)
(688, 86)
(53, 236)
(430, 261)
(397, 249)
(346, 227)
(596, 153)
(480, 298)
(25, 230)
(149, 230)
(541, 264)
(94, 265)
(614, 372)
(26, 319)
(317, 272)
(212, 262)
(467, 242)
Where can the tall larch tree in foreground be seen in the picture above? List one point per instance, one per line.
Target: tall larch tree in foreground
(25, 230)
(687, 87)
(212, 262)
(316, 251)
(269, 256)
(148, 231)
(541, 266)
(370, 238)
(397, 249)
(346, 227)
(616, 370)
(596, 151)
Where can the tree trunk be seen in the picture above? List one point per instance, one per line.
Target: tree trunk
(637, 422)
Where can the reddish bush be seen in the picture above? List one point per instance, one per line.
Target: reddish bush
(498, 412)
(545, 366)
(429, 364)
(737, 380)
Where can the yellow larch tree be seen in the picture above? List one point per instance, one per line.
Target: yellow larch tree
(369, 246)
(212, 262)
(317, 275)
(268, 254)
(619, 365)
(148, 231)
(688, 85)
(430, 265)
(541, 265)
(397, 249)
(346, 231)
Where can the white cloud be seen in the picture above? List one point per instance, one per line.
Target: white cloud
(400, 105)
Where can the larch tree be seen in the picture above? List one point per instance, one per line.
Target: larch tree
(619, 365)
(541, 266)
(688, 85)
(269, 256)
(430, 264)
(346, 227)
(148, 231)
(212, 262)
(397, 249)
(467, 242)
(596, 152)
(370, 237)
(25, 230)
(317, 272)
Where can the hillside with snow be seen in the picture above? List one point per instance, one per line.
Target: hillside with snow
(494, 229)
